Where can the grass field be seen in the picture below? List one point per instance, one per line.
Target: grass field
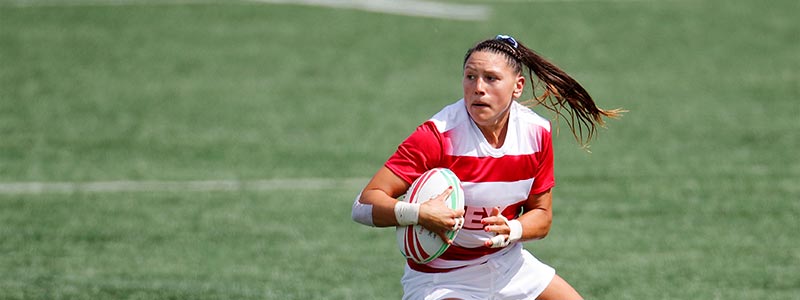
(694, 194)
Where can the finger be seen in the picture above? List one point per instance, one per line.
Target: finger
(495, 211)
(446, 193)
(492, 221)
(499, 229)
(443, 236)
(493, 217)
(496, 241)
(459, 224)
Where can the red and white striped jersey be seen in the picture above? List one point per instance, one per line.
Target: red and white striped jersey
(492, 177)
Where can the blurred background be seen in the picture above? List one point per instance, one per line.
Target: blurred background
(190, 149)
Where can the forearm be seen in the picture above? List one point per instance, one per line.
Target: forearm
(382, 207)
(379, 198)
(537, 216)
(535, 224)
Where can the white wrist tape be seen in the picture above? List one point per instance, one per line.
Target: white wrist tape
(502, 240)
(406, 213)
(516, 231)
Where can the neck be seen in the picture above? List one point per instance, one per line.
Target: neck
(495, 134)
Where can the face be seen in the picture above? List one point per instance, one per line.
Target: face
(490, 84)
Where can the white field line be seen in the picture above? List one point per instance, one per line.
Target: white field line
(24, 188)
(413, 8)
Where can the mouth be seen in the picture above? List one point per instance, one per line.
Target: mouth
(480, 104)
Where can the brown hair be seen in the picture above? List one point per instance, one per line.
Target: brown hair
(561, 91)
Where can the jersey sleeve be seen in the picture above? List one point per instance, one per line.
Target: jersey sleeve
(420, 152)
(544, 177)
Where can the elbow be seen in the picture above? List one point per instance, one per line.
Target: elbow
(362, 213)
(544, 232)
(545, 228)
(539, 233)
(542, 229)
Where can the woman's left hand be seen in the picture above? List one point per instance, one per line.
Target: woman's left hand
(495, 223)
(507, 231)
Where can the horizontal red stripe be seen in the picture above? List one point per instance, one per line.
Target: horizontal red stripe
(461, 253)
(493, 169)
(425, 268)
(454, 253)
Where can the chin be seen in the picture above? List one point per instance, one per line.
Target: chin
(481, 120)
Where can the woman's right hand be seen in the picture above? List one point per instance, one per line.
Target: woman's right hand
(435, 216)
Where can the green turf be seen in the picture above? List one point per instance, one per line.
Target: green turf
(188, 246)
(692, 195)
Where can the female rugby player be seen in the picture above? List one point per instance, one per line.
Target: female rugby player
(502, 152)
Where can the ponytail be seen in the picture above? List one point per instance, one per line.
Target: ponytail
(560, 91)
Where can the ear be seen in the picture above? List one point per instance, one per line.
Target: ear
(519, 86)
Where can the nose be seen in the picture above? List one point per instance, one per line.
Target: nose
(479, 87)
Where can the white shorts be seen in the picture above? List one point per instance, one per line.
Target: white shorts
(514, 275)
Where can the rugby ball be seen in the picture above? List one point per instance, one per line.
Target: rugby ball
(415, 242)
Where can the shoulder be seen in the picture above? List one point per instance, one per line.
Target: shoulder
(530, 119)
(431, 132)
(425, 147)
(450, 116)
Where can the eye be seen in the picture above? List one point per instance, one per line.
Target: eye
(470, 76)
(491, 78)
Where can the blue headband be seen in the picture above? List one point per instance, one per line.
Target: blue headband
(508, 39)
